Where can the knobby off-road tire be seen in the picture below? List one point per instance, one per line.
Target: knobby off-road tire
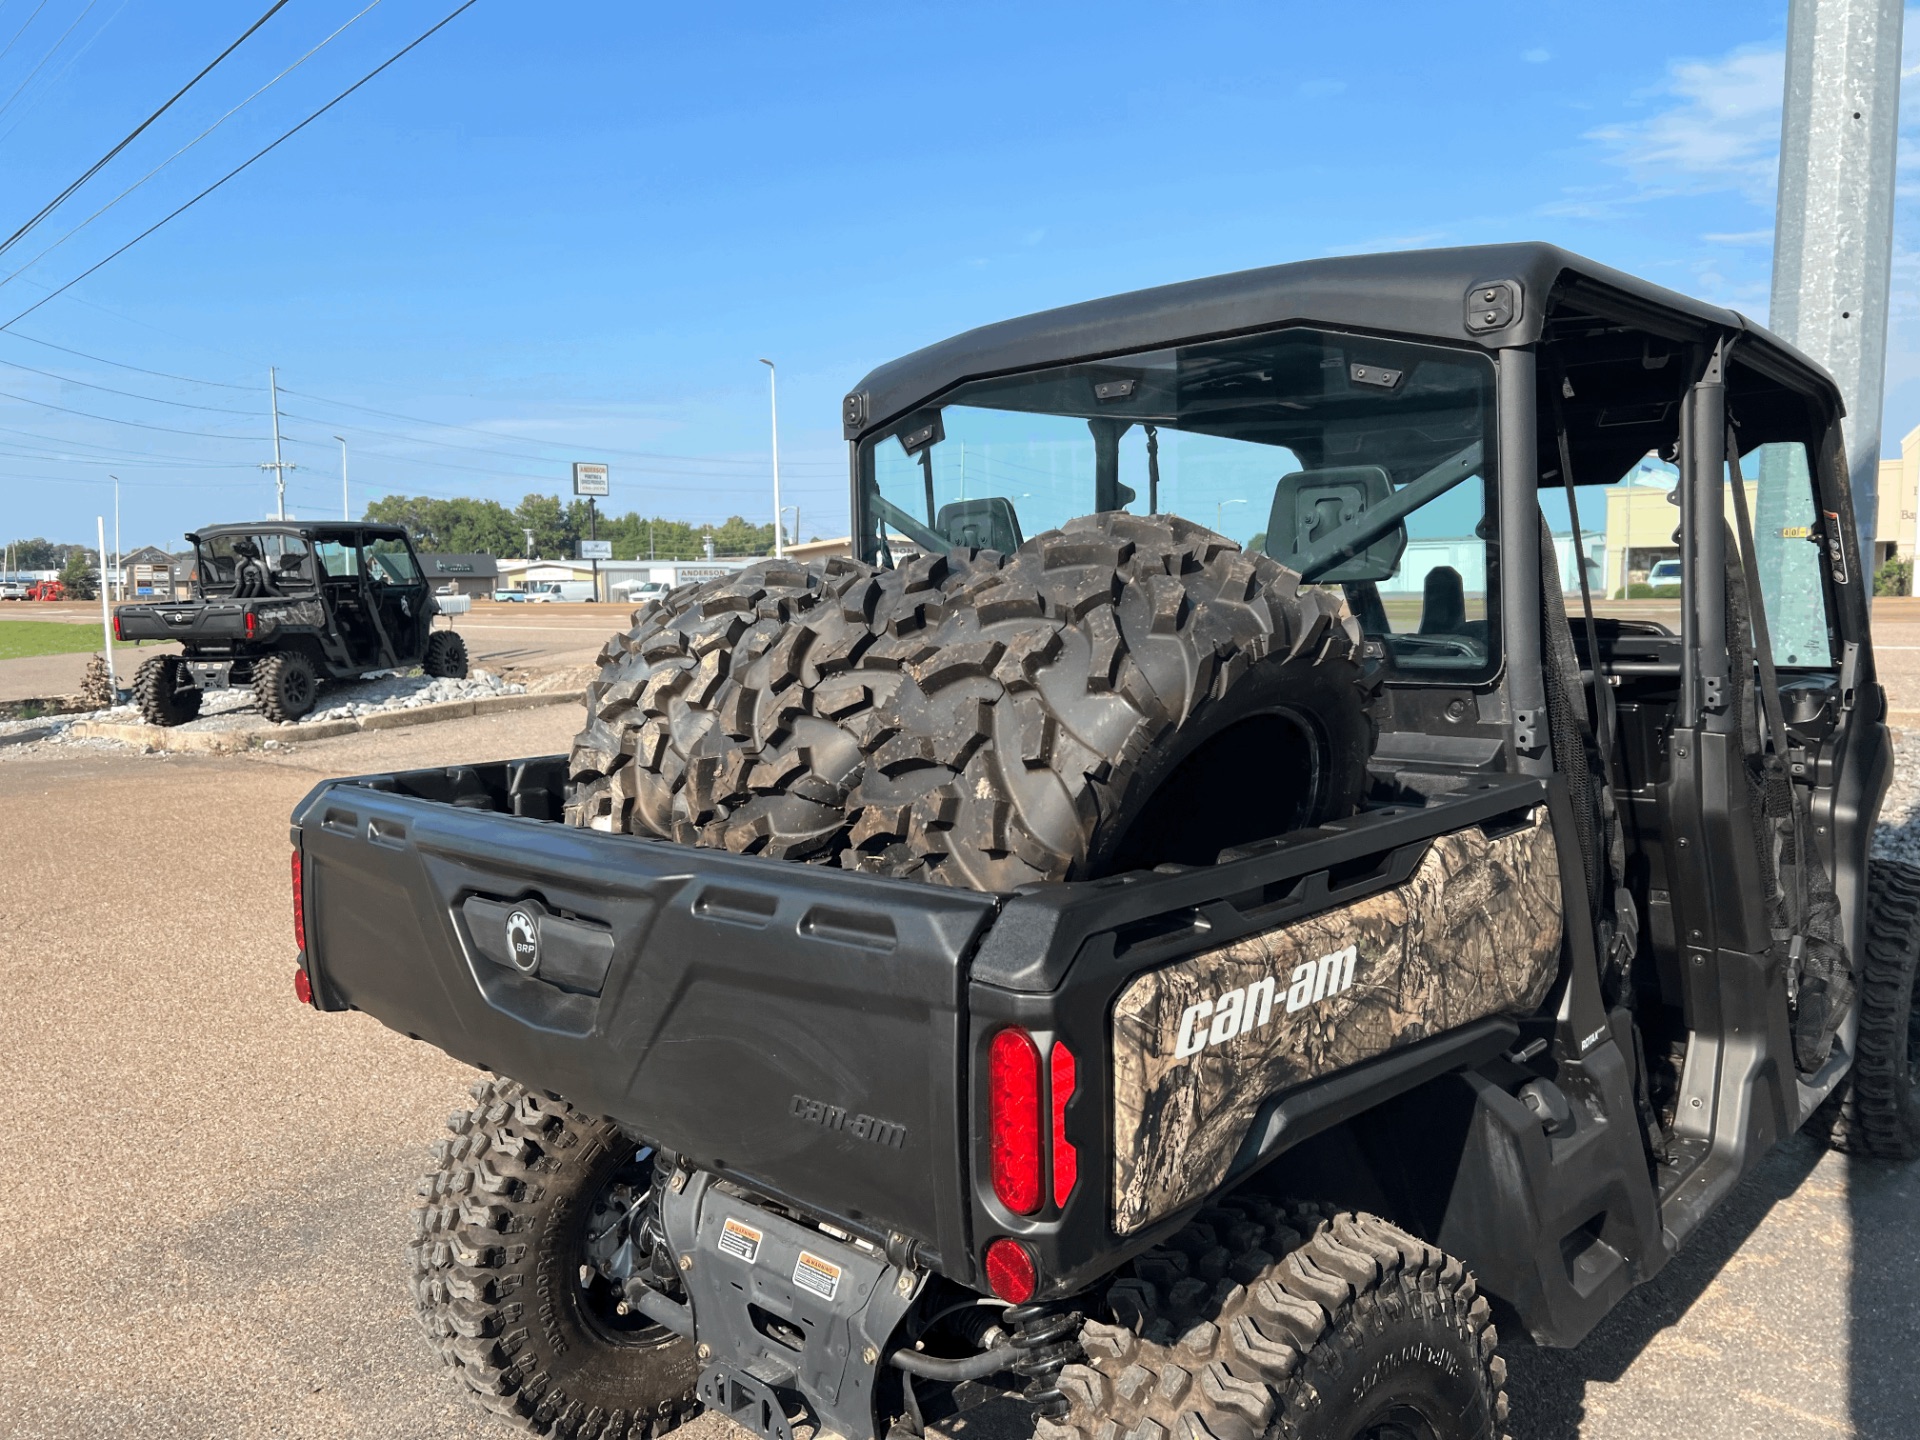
(286, 684)
(496, 1258)
(985, 720)
(446, 657)
(1875, 1111)
(159, 689)
(1289, 1323)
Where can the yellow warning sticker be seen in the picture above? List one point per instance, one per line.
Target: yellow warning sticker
(822, 1277)
(740, 1241)
(1796, 532)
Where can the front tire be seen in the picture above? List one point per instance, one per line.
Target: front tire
(1875, 1112)
(286, 685)
(161, 691)
(497, 1258)
(1263, 1322)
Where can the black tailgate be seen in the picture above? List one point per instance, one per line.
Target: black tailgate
(798, 1026)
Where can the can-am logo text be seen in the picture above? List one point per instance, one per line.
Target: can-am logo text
(1213, 1022)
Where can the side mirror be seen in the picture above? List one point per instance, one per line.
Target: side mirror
(1310, 505)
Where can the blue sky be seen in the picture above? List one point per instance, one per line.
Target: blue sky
(574, 228)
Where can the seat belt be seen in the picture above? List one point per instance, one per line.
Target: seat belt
(1602, 716)
(1769, 686)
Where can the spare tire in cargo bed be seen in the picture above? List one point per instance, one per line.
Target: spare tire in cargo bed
(1123, 692)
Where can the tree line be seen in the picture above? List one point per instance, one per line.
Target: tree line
(486, 527)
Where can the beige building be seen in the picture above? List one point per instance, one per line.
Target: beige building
(1899, 501)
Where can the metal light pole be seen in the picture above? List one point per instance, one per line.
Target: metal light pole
(773, 397)
(346, 507)
(277, 465)
(1219, 513)
(119, 579)
(106, 619)
(1833, 231)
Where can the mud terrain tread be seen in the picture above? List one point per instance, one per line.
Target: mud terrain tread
(474, 1271)
(1252, 1319)
(740, 712)
(159, 694)
(446, 656)
(1030, 727)
(968, 719)
(1875, 1111)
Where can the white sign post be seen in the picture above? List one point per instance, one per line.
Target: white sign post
(106, 618)
(590, 480)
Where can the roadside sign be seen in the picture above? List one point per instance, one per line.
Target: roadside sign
(589, 479)
(596, 550)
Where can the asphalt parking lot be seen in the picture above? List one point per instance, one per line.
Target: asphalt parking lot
(210, 1183)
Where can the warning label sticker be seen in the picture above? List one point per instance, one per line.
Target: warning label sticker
(822, 1277)
(740, 1241)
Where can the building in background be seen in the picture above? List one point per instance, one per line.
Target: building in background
(467, 574)
(1899, 501)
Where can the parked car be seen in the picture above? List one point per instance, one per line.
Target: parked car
(507, 595)
(12, 590)
(559, 592)
(1664, 572)
(640, 591)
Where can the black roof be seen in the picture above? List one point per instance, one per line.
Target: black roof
(1408, 292)
(309, 529)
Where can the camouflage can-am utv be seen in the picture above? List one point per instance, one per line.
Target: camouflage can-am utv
(285, 606)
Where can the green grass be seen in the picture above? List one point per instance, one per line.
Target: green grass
(22, 638)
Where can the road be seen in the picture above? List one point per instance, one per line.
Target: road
(210, 1183)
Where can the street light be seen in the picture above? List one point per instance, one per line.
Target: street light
(773, 396)
(346, 509)
(119, 584)
(1219, 511)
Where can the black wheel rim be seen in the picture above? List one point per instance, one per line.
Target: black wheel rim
(298, 688)
(620, 1213)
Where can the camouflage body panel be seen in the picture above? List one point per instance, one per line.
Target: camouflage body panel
(271, 615)
(1201, 1044)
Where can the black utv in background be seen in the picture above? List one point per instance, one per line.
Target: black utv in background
(284, 606)
(1200, 980)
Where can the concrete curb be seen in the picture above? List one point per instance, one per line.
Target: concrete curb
(228, 742)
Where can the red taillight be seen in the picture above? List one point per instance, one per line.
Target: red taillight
(1066, 1159)
(116, 626)
(251, 622)
(299, 905)
(1010, 1271)
(302, 987)
(1013, 1120)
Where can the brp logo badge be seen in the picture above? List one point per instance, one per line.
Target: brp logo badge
(523, 941)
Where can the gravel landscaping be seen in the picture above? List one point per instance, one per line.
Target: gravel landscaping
(236, 709)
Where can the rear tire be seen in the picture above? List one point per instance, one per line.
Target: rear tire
(159, 691)
(497, 1251)
(446, 657)
(286, 685)
(1262, 1322)
(1875, 1111)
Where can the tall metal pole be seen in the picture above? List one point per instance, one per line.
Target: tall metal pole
(278, 466)
(1833, 232)
(106, 619)
(119, 576)
(346, 507)
(773, 396)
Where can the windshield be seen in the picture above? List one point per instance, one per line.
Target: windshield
(254, 566)
(1359, 462)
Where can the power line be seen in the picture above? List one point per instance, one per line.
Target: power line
(136, 424)
(75, 230)
(49, 55)
(137, 131)
(123, 365)
(65, 70)
(244, 164)
(129, 394)
(23, 29)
